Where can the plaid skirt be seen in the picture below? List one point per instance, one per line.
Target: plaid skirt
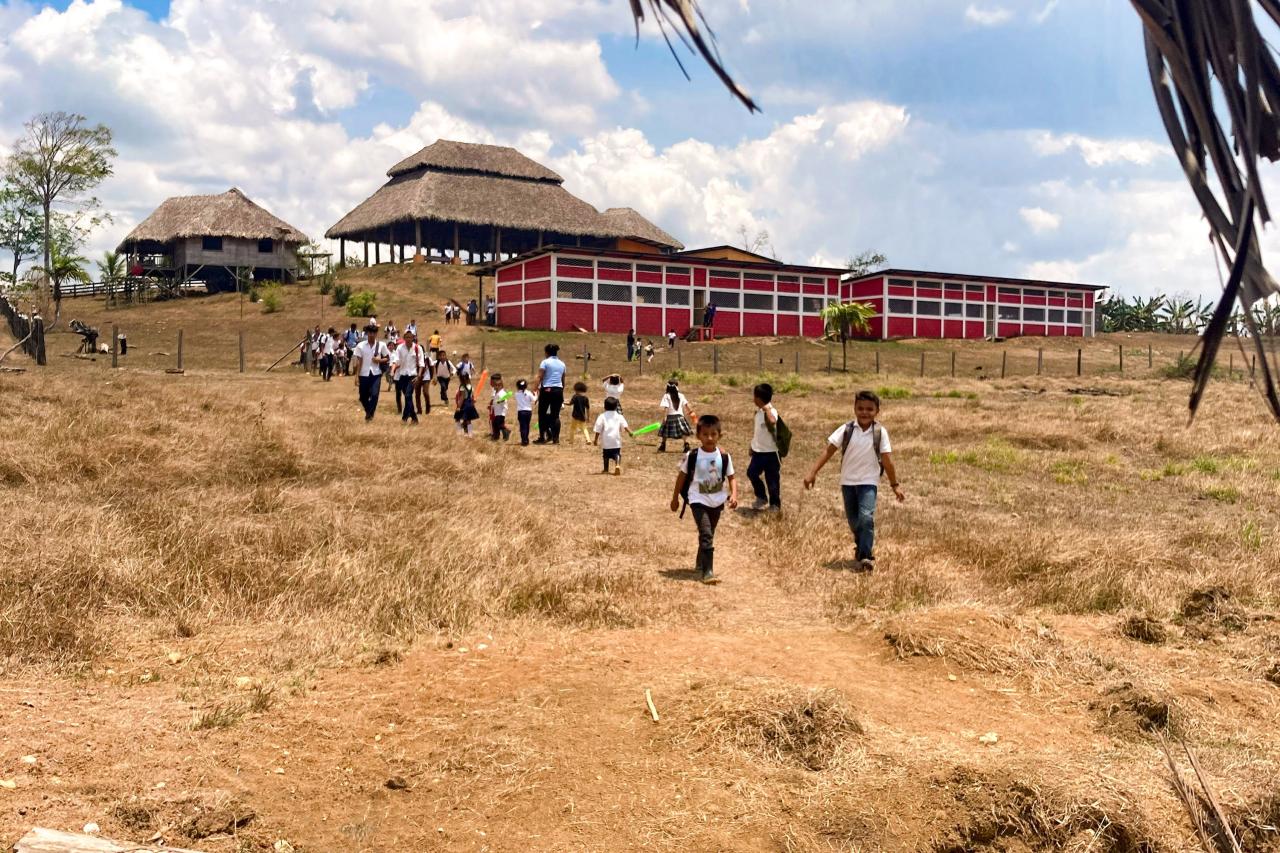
(675, 426)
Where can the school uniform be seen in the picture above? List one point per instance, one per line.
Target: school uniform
(444, 372)
(765, 470)
(409, 360)
(859, 482)
(708, 493)
(609, 427)
(498, 421)
(370, 374)
(466, 411)
(675, 424)
(524, 413)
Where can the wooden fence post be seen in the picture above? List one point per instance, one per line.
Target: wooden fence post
(1253, 365)
(877, 361)
(715, 358)
(115, 346)
(180, 349)
(953, 364)
(1121, 348)
(1231, 366)
(37, 336)
(1039, 360)
(586, 362)
(1079, 362)
(1150, 363)
(1004, 362)
(797, 360)
(531, 361)
(241, 336)
(828, 359)
(482, 354)
(679, 357)
(921, 363)
(759, 357)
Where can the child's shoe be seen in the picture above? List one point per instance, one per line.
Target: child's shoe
(759, 504)
(867, 565)
(709, 578)
(617, 471)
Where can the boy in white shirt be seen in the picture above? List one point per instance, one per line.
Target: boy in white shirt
(525, 400)
(866, 455)
(608, 434)
(707, 484)
(371, 358)
(765, 470)
(498, 400)
(408, 360)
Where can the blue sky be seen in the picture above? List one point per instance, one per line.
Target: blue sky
(1013, 137)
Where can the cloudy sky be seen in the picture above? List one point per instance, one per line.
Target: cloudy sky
(1012, 137)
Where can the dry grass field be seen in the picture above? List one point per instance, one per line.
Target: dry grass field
(233, 616)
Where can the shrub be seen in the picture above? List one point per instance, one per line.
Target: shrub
(326, 284)
(341, 293)
(362, 304)
(272, 299)
(893, 393)
(254, 294)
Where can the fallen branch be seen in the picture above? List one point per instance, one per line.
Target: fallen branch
(648, 700)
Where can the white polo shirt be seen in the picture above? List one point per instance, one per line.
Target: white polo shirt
(762, 441)
(609, 427)
(409, 359)
(366, 352)
(859, 466)
(499, 401)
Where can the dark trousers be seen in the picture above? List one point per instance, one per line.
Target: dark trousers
(525, 419)
(860, 510)
(422, 395)
(444, 389)
(499, 428)
(550, 402)
(404, 390)
(614, 453)
(631, 351)
(326, 367)
(769, 486)
(707, 518)
(370, 387)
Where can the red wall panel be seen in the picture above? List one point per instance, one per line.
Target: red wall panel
(570, 314)
(1036, 329)
(1008, 330)
(538, 267)
(1088, 300)
(726, 324)
(535, 290)
(537, 316)
(574, 272)
(515, 272)
(603, 274)
(509, 316)
(833, 287)
(1056, 331)
(953, 328)
(729, 283)
(901, 290)
(766, 286)
(974, 297)
(874, 287)
(508, 293)
(649, 321)
(613, 319)
(991, 293)
(928, 327)
(648, 277)
(815, 289)
(788, 325)
(678, 319)
(678, 279)
(1075, 331)
(813, 327)
(973, 329)
(874, 332)
(788, 287)
(900, 327)
(699, 277)
(926, 292)
(757, 323)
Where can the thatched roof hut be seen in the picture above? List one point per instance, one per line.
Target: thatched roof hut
(230, 214)
(484, 199)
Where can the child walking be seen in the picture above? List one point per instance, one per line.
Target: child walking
(765, 470)
(613, 387)
(865, 456)
(580, 406)
(608, 434)
(525, 400)
(675, 424)
(707, 483)
(498, 409)
(464, 401)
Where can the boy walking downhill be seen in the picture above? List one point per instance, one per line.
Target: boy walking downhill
(579, 411)
(765, 470)
(525, 400)
(371, 356)
(498, 409)
(608, 434)
(707, 484)
(866, 455)
(409, 362)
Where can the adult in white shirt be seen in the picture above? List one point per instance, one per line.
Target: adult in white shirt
(371, 357)
(765, 470)
(408, 361)
(613, 387)
(608, 434)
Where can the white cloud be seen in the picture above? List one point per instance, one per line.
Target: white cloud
(1040, 220)
(1043, 15)
(1099, 152)
(987, 17)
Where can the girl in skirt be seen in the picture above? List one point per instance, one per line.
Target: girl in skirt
(678, 414)
(465, 402)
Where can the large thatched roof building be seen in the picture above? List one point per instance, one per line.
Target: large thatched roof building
(484, 200)
(208, 237)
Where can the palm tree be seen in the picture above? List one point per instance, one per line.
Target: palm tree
(845, 318)
(1215, 83)
(111, 268)
(64, 268)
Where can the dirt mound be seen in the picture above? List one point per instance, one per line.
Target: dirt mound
(1210, 610)
(988, 813)
(974, 640)
(1145, 629)
(773, 721)
(1132, 712)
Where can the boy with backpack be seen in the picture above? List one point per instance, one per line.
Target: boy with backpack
(865, 456)
(770, 441)
(706, 484)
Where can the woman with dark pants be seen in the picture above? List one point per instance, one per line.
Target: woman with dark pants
(550, 385)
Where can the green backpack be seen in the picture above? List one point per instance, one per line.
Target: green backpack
(781, 435)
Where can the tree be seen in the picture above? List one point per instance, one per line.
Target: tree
(64, 268)
(868, 260)
(112, 270)
(59, 160)
(1215, 82)
(844, 318)
(20, 232)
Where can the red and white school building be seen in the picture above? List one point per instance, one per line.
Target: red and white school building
(612, 290)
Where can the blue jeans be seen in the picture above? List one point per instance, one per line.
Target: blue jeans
(765, 474)
(860, 510)
(370, 386)
(404, 390)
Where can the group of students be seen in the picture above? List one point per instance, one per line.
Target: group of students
(705, 479)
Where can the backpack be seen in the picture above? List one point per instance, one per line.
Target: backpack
(876, 432)
(690, 463)
(781, 435)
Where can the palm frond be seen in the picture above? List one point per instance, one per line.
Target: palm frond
(685, 18)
